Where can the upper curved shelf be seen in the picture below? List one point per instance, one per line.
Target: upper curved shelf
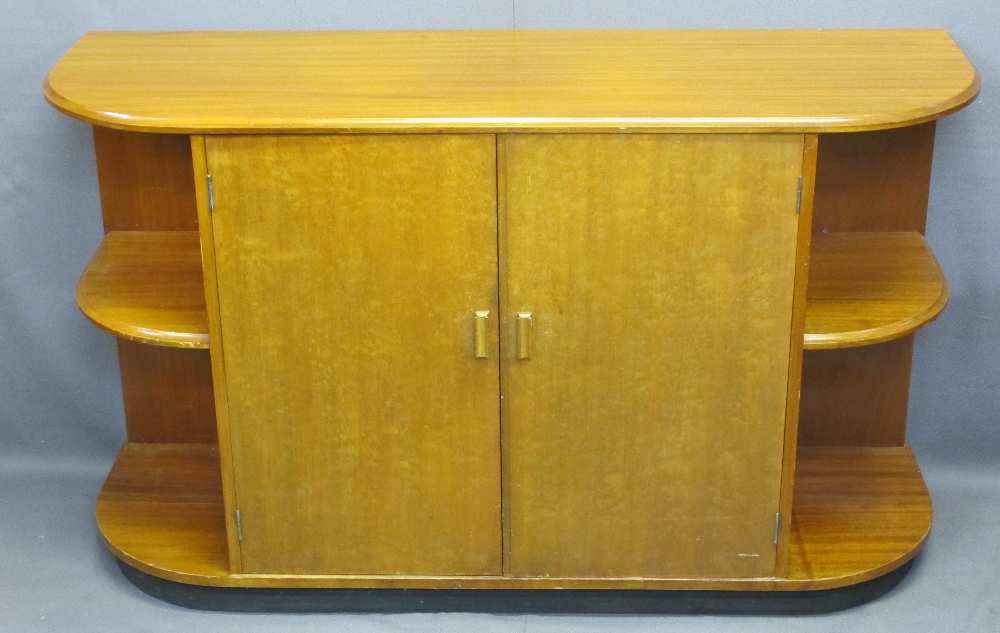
(867, 288)
(495, 81)
(147, 286)
(864, 288)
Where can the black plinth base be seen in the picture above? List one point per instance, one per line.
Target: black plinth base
(513, 600)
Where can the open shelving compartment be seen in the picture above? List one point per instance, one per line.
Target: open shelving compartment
(860, 507)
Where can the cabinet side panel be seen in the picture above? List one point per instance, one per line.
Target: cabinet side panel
(874, 181)
(869, 181)
(365, 431)
(146, 184)
(802, 254)
(146, 181)
(647, 424)
(856, 396)
(200, 166)
(168, 394)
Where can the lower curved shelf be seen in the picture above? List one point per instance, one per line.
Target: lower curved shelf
(858, 513)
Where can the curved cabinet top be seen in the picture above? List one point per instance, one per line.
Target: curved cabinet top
(414, 81)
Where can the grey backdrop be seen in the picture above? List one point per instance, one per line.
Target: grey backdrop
(61, 419)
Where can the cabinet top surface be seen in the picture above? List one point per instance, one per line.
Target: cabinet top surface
(427, 81)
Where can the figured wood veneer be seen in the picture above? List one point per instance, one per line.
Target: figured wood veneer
(497, 81)
(349, 270)
(858, 513)
(623, 458)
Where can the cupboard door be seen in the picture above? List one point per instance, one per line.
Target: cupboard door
(364, 429)
(645, 418)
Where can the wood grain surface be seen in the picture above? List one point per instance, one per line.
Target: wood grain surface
(859, 513)
(810, 147)
(147, 286)
(220, 385)
(856, 396)
(646, 429)
(161, 510)
(874, 181)
(365, 432)
(146, 181)
(167, 393)
(868, 288)
(762, 81)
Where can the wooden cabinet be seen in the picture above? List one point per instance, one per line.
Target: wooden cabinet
(483, 310)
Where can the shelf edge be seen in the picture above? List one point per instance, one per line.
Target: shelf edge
(899, 329)
(123, 548)
(86, 299)
(895, 329)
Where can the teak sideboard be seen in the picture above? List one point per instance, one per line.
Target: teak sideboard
(605, 309)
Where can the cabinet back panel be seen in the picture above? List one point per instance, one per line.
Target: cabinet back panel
(874, 181)
(646, 429)
(146, 181)
(168, 394)
(365, 434)
(856, 396)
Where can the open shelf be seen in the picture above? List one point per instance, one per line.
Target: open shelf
(147, 286)
(864, 288)
(858, 513)
(867, 288)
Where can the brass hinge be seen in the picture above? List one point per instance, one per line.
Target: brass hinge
(798, 196)
(239, 525)
(211, 193)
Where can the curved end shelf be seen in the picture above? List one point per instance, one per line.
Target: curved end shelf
(858, 514)
(147, 286)
(867, 288)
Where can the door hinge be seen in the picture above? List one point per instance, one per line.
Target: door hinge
(239, 525)
(211, 193)
(777, 526)
(798, 195)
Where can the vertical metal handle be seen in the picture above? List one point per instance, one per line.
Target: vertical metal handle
(523, 335)
(482, 333)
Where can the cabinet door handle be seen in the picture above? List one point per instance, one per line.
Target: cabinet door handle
(482, 333)
(523, 335)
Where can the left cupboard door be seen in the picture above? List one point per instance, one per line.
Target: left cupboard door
(363, 403)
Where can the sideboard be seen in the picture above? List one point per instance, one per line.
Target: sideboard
(514, 309)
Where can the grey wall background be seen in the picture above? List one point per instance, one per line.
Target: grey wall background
(59, 391)
(60, 398)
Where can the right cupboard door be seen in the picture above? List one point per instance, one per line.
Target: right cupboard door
(645, 394)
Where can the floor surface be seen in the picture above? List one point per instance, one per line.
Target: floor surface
(56, 575)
